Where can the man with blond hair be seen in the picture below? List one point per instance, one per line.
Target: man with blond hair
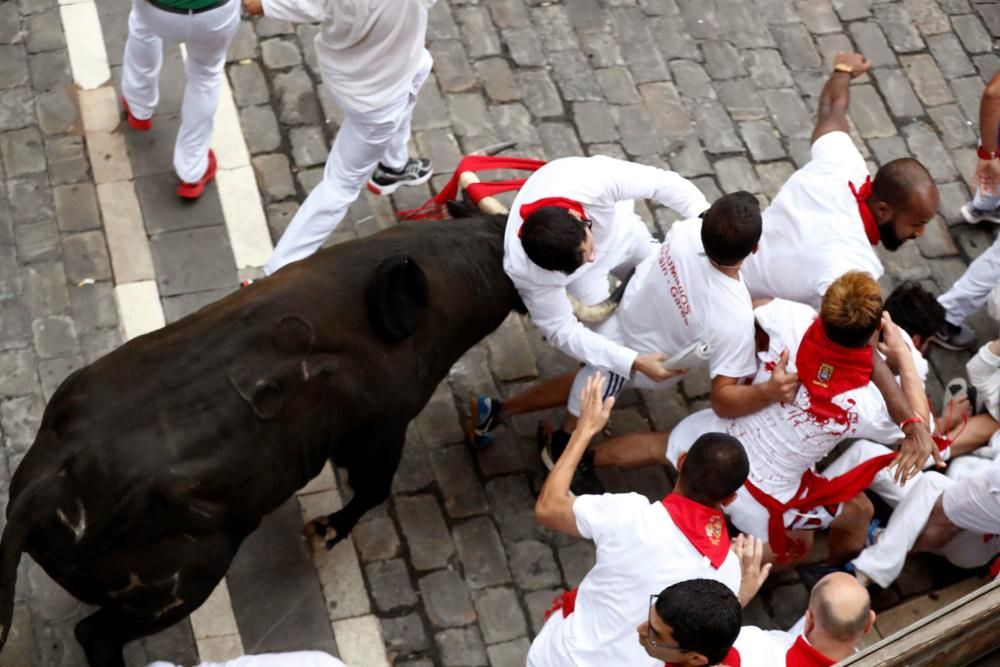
(837, 399)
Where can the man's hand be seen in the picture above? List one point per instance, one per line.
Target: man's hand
(856, 61)
(594, 411)
(750, 551)
(987, 176)
(782, 386)
(651, 365)
(914, 450)
(253, 7)
(892, 346)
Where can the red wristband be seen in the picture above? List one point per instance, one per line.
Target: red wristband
(912, 420)
(985, 154)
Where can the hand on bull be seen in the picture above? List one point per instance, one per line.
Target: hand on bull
(651, 365)
(594, 410)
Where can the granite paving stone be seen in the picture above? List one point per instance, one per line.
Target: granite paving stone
(446, 599)
(390, 584)
(424, 530)
(405, 634)
(461, 647)
(500, 615)
(481, 552)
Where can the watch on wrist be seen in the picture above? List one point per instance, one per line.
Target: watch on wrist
(843, 67)
(985, 154)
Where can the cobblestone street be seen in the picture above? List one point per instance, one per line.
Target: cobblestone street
(95, 249)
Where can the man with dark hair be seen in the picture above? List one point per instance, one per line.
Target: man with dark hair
(839, 615)
(572, 224)
(688, 293)
(837, 400)
(641, 546)
(692, 623)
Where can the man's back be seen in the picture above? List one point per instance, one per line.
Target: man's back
(640, 551)
(677, 297)
(813, 231)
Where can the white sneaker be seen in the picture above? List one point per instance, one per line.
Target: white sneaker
(973, 215)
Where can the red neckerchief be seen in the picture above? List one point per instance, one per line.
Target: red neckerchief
(558, 202)
(827, 370)
(732, 659)
(861, 195)
(564, 602)
(704, 527)
(803, 654)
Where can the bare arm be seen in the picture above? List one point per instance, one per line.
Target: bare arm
(836, 96)
(730, 399)
(554, 508)
(987, 176)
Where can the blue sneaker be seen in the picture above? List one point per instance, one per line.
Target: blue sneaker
(875, 531)
(485, 415)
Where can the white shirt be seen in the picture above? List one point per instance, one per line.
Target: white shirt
(763, 648)
(677, 297)
(984, 374)
(974, 503)
(294, 659)
(813, 232)
(600, 184)
(783, 440)
(639, 553)
(368, 50)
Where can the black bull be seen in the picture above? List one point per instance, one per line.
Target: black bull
(154, 463)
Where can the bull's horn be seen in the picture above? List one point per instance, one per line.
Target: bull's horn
(494, 149)
(488, 205)
(600, 311)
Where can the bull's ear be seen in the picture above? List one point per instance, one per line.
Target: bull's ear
(397, 298)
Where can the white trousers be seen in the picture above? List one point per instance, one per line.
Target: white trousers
(969, 293)
(206, 36)
(364, 140)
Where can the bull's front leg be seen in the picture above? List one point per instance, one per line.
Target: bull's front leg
(370, 475)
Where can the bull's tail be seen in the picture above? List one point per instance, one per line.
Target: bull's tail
(11, 545)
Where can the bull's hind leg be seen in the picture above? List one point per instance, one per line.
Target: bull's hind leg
(103, 635)
(370, 473)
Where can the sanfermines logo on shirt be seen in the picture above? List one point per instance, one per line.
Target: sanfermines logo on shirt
(666, 263)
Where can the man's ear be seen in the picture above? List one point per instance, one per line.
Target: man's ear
(871, 622)
(728, 499)
(882, 212)
(810, 622)
(756, 247)
(695, 659)
(680, 461)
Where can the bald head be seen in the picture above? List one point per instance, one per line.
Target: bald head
(897, 181)
(840, 605)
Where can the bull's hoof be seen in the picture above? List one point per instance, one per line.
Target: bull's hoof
(320, 530)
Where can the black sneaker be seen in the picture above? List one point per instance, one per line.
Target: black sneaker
(952, 337)
(486, 414)
(385, 181)
(551, 445)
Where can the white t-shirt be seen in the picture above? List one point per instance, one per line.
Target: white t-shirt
(368, 50)
(605, 187)
(677, 297)
(293, 659)
(783, 440)
(640, 551)
(974, 503)
(763, 648)
(813, 232)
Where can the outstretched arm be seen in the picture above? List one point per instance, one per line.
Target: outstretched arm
(836, 96)
(987, 177)
(554, 508)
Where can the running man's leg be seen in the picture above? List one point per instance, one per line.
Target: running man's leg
(969, 293)
(141, 62)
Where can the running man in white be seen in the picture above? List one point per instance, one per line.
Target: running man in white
(205, 27)
(970, 292)
(829, 216)
(837, 400)
(291, 659)
(373, 61)
(642, 547)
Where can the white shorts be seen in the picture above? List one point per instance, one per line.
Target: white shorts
(974, 505)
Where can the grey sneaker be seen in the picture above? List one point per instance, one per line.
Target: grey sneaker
(385, 181)
(952, 337)
(973, 215)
